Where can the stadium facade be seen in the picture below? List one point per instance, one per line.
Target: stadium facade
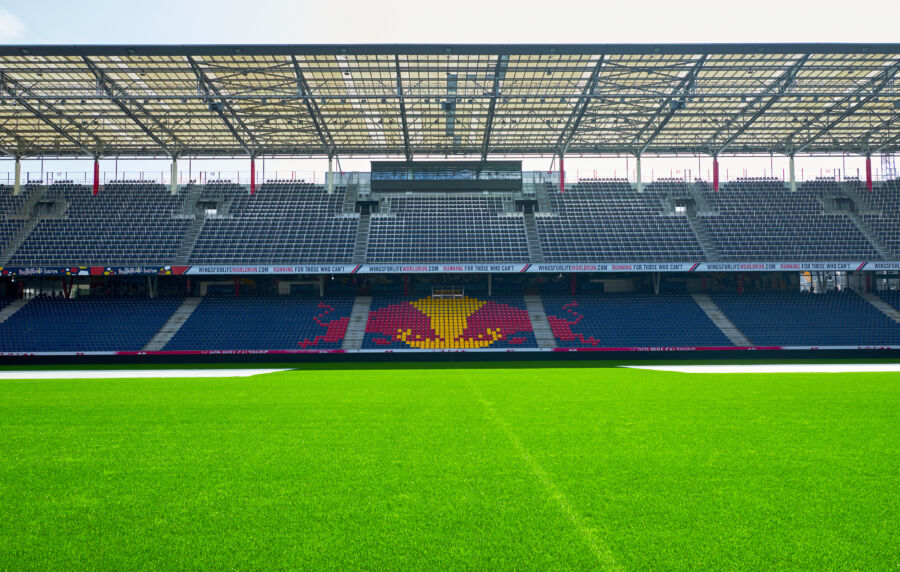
(466, 253)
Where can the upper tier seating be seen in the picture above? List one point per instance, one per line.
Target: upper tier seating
(611, 222)
(127, 223)
(884, 198)
(803, 319)
(455, 229)
(265, 323)
(630, 320)
(448, 323)
(283, 223)
(761, 219)
(85, 324)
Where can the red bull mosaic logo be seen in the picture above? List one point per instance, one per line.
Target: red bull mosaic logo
(449, 323)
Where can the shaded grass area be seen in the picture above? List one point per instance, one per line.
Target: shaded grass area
(537, 468)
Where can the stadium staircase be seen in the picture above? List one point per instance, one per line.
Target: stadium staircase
(350, 198)
(190, 239)
(11, 308)
(880, 304)
(709, 249)
(362, 239)
(721, 320)
(543, 200)
(535, 254)
(879, 246)
(172, 325)
(543, 334)
(356, 328)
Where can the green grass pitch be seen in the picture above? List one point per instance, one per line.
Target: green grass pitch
(455, 467)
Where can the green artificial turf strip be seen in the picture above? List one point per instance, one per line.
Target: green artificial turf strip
(460, 467)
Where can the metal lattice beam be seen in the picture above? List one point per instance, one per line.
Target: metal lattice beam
(681, 89)
(781, 85)
(313, 109)
(11, 87)
(499, 74)
(407, 150)
(209, 87)
(579, 110)
(873, 87)
(112, 89)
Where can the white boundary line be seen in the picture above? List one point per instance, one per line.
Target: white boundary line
(775, 368)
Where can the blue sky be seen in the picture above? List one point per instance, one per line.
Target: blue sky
(458, 21)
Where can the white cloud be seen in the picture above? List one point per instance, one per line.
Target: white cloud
(11, 27)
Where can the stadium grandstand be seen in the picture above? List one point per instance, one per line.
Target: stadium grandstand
(446, 243)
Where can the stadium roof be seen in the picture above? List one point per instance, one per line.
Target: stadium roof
(475, 100)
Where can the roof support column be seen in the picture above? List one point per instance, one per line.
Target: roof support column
(716, 173)
(96, 187)
(252, 175)
(562, 174)
(174, 184)
(329, 179)
(869, 173)
(640, 183)
(17, 184)
(793, 174)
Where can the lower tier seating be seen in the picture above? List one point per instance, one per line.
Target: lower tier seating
(802, 319)
(448, 323)
(630, 320)
(892, 298)
(265, 323)
(85, 324)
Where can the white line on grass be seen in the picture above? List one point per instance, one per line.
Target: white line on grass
(775, 368)
(602, 552)
(132, 373)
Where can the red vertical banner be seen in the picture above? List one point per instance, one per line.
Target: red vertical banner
(716, 174)
(96, 176)
(252, 175)
(869, 173)
(573, 283)
(562, 174)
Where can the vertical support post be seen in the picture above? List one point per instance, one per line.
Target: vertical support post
(656, 279)
(869, 173)
(573, 283)
(96, 187)
(562, 174)
(17, 185)
(640, 182)
(490, 285)
(793, 173)
(174, 185)
(237, 287)
(716, 173)
(329, 181)
(406, 284)
(321, 285)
